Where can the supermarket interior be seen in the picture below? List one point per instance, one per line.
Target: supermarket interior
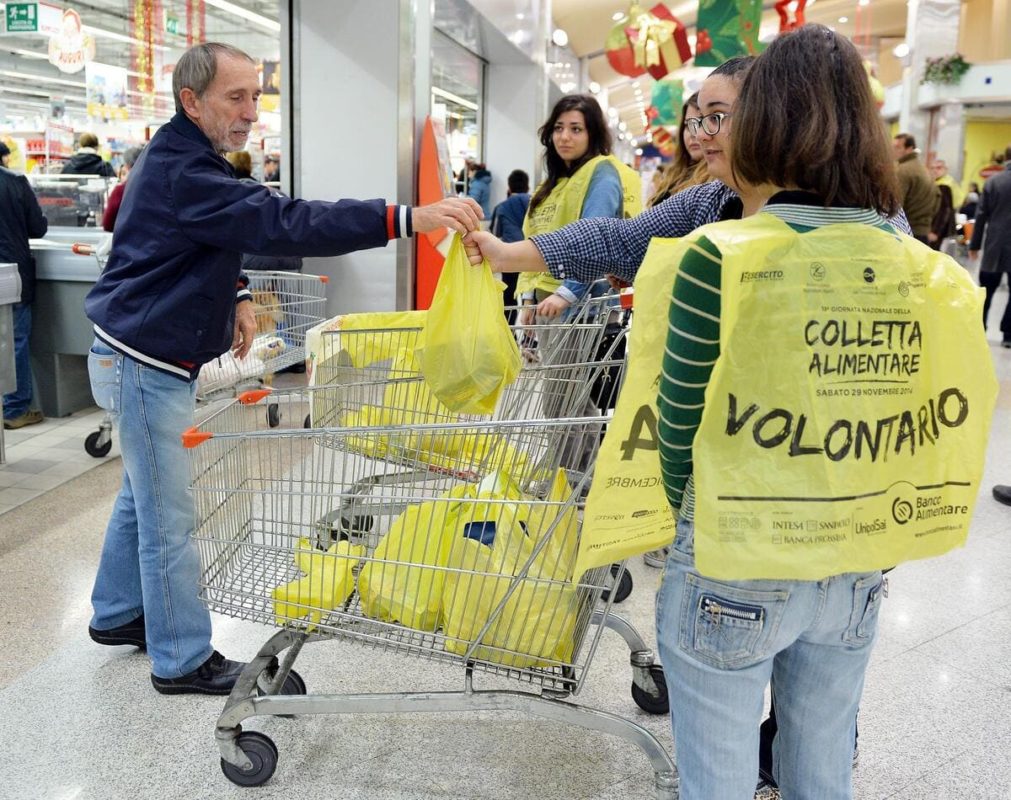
(321, 443)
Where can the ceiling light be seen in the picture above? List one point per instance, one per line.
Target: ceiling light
(245, 13)
(29, 53)
(617, 15)
(901, 50)
(119, 37)
(560, 37)
(454, 97)
(844, 19)
(864, 2)
(638, 151)
(42, 78)
(594, 87)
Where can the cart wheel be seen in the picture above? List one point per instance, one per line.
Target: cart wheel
(623, 588)
(261, 751)
(653, 704)
(273, 415)
(293, 684)
(307, 423)
(93, 447)
(355, 527)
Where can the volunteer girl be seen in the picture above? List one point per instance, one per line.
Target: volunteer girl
(814, 638)
(688, 167)
(583, 180)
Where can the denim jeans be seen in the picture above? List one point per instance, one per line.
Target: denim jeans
(721, 642)
(18, 402)
(149, 563)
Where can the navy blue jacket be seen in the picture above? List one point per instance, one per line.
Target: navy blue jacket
(168, 292)
(21, 219)
(507, 221)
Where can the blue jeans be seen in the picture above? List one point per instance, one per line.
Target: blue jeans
(17, 403)
(721, 642)
(149, 563)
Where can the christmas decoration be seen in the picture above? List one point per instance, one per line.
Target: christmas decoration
(668, 95)
(727, 28)
(946, 69)
(659, 40)
(785, 23)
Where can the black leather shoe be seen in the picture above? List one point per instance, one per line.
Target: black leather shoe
(132, 633)
(217, 675)
(1002, 494)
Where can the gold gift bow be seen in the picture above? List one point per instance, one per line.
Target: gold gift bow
(654, 40)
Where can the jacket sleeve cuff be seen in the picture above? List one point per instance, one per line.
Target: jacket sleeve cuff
(398, 222)
(567, 294)
(242, 288)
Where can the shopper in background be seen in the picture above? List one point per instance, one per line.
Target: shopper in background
(971, 201)
(5, 155)
(939, 170)
(688, 167)
(172, 298)
(992, 235)
(116, 195)
(919, 193)
(507, 221)
(943, 224)
(87, 161)
(480, 187)
(21, 219)
(271, 170)
(812, 638)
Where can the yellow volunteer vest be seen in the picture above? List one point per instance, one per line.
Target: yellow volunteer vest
(565, 205)
(846, 420)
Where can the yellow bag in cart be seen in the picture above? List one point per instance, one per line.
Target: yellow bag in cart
(467, 353)
(403, 580)
(846, 420)
(328, 581)
(491, 544)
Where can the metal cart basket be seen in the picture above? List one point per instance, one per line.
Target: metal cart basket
(450, 541)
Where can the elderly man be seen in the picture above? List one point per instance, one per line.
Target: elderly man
(172, 298)
(939, 169)
(920, 197)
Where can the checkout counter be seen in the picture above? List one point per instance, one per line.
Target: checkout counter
(61, 334)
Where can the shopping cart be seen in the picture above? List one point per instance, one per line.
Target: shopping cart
(488, 495)
(286, 305)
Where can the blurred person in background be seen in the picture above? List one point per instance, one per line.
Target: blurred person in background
(920, 196)
(87, 161)
(992, 235)
(480, 188)
(688, 168)
(242, 164)
(939, 169)
(21, 219)
(116, 195)
(971, 201)
(943, 224)
(507, 222)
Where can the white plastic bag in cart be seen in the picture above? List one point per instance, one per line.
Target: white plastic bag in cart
(491, 544)
(327, 583)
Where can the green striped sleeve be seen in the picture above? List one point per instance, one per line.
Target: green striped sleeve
(691, 350)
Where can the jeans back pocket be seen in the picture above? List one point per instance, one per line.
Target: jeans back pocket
(867, 595)
(105, 370)
(727, 626)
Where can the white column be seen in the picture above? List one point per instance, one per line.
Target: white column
(513, 113)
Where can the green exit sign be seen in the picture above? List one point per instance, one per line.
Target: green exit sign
(22, 17)
(172, 25)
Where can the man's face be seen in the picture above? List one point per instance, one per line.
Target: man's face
(899, 147)
(227, 110)
(939, 169)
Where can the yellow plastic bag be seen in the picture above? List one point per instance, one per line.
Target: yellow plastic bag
(467, 353)
(404, 581)
(491, 544)
(847, 419)
(328, 581)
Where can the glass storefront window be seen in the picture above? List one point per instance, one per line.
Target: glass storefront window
(458, 100)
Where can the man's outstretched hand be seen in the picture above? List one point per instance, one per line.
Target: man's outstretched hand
(461, 214)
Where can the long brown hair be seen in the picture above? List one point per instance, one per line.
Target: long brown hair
(806, 118)
(596, 129)
(682, 172)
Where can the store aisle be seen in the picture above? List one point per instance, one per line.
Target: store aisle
(82, 722)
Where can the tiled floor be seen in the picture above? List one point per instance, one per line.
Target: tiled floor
(81, 722)
(44, 456)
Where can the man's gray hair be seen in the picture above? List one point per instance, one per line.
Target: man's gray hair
(198, 66)
(131, 155)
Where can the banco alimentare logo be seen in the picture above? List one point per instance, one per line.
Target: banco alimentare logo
(902, 510)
